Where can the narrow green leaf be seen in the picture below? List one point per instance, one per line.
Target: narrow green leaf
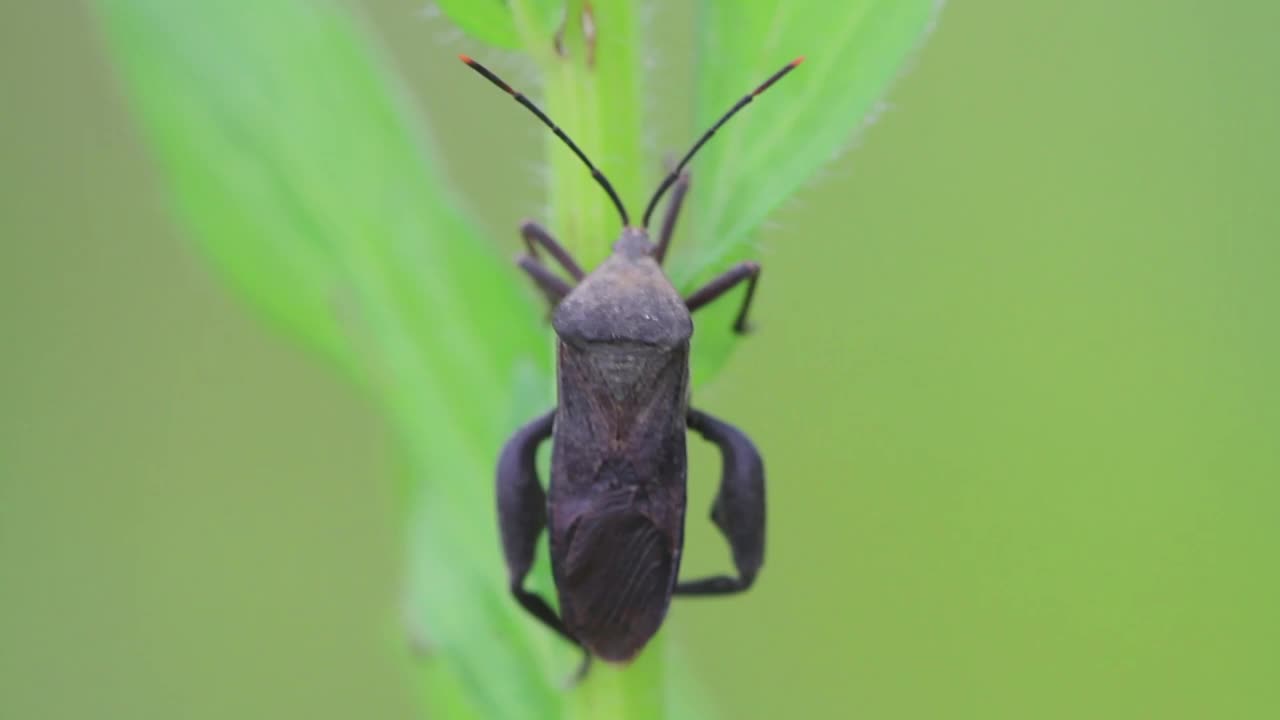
(854, 50)
(300, 171)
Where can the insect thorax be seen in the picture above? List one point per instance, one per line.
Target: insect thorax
(625, 300)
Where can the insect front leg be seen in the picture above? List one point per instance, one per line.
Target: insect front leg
(522, 515)
(738, 509)
(535, 235)
(669, 220)
(551, 285)
(746, 270)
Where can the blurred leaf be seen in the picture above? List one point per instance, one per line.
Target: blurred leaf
(854, 50)
(486, 20)
(296, 165)
(498, 23)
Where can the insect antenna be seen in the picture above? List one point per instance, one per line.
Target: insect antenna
(520, 98)
(671, 178)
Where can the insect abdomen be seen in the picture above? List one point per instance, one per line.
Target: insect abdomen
(615, 582)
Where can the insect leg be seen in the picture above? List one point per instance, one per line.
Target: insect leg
(522, 515)
(534, 235)
(746, 270)
(551, 285)
(669, 220)
(738, 509)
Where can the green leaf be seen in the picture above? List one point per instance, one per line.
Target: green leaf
(294, 162)
(854, 50)
(493, 22)
(307, 180)
(486, 20)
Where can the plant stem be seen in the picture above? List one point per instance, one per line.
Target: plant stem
(592, 91)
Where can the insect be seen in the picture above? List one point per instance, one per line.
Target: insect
(615, 505)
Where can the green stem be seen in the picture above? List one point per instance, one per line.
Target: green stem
(592, 90)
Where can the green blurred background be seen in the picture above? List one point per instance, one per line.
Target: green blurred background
(1015, 378)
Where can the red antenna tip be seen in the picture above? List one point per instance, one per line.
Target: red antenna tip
(797, 61)
(465, 59)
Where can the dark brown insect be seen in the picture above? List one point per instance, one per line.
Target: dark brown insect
(616, 502)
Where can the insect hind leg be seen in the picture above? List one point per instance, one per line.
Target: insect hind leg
(522, 515)
(738, 509)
